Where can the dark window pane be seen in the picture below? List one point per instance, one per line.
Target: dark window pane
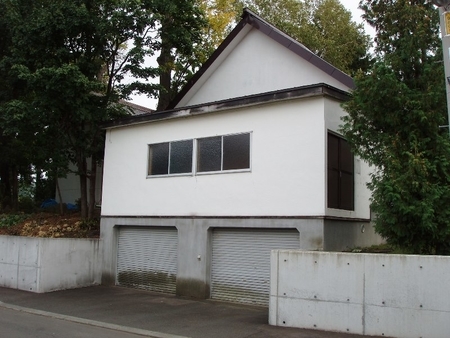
(209, 154)
(340, 174)
(333, 189)
(346, 157)
(158, 159)
(346, 191)
(236, 152)
(181, 157)
(333, 152)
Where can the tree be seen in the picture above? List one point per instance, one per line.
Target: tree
(181, 25)
(393, 123)
(68, 59)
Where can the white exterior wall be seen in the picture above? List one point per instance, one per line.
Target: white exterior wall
(286, 179)
(256, 65)
(333, 122)
(369, 294)
(49, 264)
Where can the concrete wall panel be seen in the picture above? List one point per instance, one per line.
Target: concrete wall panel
(294, 268)
(77, 262)
(403, 322)
(28, 251)
(8, 275)
(317, 315)
(384, 295)
(48, 264)
(9, 249)
(28, 278)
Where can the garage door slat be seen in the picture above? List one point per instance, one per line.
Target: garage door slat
(147, 258)
(241, 262)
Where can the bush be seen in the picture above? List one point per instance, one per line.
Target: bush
(8, 220)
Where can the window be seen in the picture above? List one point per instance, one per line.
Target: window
(220, 153)
(340, 174)
(170, 158)
(214, 154)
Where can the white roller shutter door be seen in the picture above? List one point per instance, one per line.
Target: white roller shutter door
(241, 262)
(147, 258)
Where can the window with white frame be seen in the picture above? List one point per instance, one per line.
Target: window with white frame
(213, 154)
(223, 153)
(170, 158)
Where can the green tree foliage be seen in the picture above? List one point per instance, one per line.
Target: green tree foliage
(181, 25)
(63, 62)
(393, 123)
(324, 26)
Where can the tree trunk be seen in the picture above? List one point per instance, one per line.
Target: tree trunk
(5, 186)
(61, 207)
(82, 167)
(165, 62)
(15, 188)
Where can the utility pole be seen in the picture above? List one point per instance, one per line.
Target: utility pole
(444, 11)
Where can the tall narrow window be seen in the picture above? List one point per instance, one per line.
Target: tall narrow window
(158, 159)
(220, 153)
(209, 154)
(170, 158)
(340, 174)
(236, 151)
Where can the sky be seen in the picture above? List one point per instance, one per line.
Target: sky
(351, 5)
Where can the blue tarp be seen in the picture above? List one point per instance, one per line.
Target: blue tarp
(48, 203)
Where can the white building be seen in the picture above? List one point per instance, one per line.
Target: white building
(248, 159)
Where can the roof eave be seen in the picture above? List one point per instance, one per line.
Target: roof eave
(316, 90)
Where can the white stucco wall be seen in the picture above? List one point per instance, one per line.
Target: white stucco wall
(287, 177)
(370, 294)
(257, 64)
(49, 264)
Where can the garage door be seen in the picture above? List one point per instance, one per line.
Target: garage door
(241, 262)
(147, 258)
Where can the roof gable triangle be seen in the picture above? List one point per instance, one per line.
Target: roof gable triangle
(250, 61)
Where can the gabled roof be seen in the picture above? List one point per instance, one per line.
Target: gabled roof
(250, 18)
(136, 109)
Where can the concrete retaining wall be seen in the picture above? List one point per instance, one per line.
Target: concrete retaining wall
(369, 294)
(48, 264)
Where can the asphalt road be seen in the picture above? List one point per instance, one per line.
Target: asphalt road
(102, 311)
(19, 324)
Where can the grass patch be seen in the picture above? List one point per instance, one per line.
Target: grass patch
(9, 220)
(380, 248)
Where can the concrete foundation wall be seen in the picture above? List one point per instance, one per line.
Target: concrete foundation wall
(370, 294)
(341, 235)
(48, 264)
(194, 243)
